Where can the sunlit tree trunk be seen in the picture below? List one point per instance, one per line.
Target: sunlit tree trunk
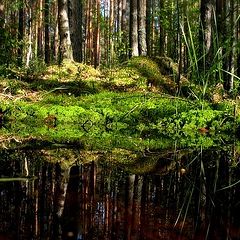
(133, 28)
(124, 29)
(40, 37)
(55, 44)
(64, 31)
(111, 29)
(89, 31)
(29, 30)
(142, 27)
(96, 37)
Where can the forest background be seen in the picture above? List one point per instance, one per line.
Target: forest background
(201, 36)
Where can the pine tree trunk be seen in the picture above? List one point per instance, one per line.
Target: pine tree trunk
(40, 41)
(30, 35)
(148, 26)
(96, 40)
(142, 27)
(76, 29)
(111, 27)
(20, 32)
(47, 38)
(64, 31)
(133, 28)
(124, 28)
(162, 32)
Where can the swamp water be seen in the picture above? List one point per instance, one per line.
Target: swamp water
(70, 193)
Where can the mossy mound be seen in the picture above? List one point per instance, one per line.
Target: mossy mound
(139, 74)
(70, 70)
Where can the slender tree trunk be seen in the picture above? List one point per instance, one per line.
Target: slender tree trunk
(238, 39)
(205, 33)
(64, 31)
(124, 28)
(20, 32)
(142, 27)
(162, 31)
(233, 53)
(55, 45)
(2, 17)
(40, 41)
(76, 29)
(30, 35)
(148, 26)
(133, 28)
(96, 40)
(89, 32)
(47, 28)
(111, 29)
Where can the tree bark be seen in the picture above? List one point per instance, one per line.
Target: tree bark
(76, 29)
(47, 37)
(65, 50)
(142, 27)
(124, 29)
(20, 31)
(96, 40)
(133, 28)
(206, 21)
(148, 26)
(162, 31)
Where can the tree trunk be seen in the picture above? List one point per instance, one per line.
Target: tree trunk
(124, 29)
(133, 28)
(29, 33)
(2, 18)
(76, 29)
(162, 32)
(89, 32)
(47, 38)
(96, 40)
(142, 27)
(148, 26)
(111, 30)
(205, 33)
(20, 31)
(40, 41)
(65, 50)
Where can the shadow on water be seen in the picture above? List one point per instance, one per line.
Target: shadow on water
(187, 197)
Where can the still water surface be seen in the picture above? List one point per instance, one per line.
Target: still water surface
(71, 194)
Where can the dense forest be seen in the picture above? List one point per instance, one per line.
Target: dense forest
(119, 119)
(202, 37)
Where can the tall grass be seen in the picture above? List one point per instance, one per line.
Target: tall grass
(206, 69)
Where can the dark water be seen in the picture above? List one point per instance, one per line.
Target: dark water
(190, 194)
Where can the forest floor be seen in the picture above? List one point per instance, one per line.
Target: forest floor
(131, 105)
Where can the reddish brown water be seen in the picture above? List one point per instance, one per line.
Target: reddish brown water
(99, 200)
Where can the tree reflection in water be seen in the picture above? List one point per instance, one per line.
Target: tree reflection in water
(100, 200)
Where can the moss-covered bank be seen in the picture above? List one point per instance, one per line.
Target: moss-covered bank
(131, 105)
